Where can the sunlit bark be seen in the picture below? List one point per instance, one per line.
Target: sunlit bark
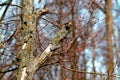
(109, 28)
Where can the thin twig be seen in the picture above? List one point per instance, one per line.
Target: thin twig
(10, 5)
(3, 15)
(50, 22)
(9, 70)
(117, 76)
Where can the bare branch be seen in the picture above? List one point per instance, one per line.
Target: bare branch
(3, 15)
(10, 5)
(117, 76)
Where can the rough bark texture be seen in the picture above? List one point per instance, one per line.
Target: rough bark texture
(28, 63)
(109, 28)
(27, 29)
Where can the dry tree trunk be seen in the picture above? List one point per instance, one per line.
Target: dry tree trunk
(109, 28)
(25, 53)
(29, 18)
(75, 60)
(28, 63)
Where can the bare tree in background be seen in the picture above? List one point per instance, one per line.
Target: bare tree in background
(109, 28)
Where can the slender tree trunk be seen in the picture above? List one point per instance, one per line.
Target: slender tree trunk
(93, 60)
(109, 28)
(74, 63)
(63, 73)
(84, 66)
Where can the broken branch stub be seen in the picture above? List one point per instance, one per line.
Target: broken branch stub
(40, 12)
(54, 44)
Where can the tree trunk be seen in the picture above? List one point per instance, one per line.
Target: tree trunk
(109, 28)
(28, 31)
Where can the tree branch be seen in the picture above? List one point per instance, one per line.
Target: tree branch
(3, 15)
(10, 5)
(117, 76)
